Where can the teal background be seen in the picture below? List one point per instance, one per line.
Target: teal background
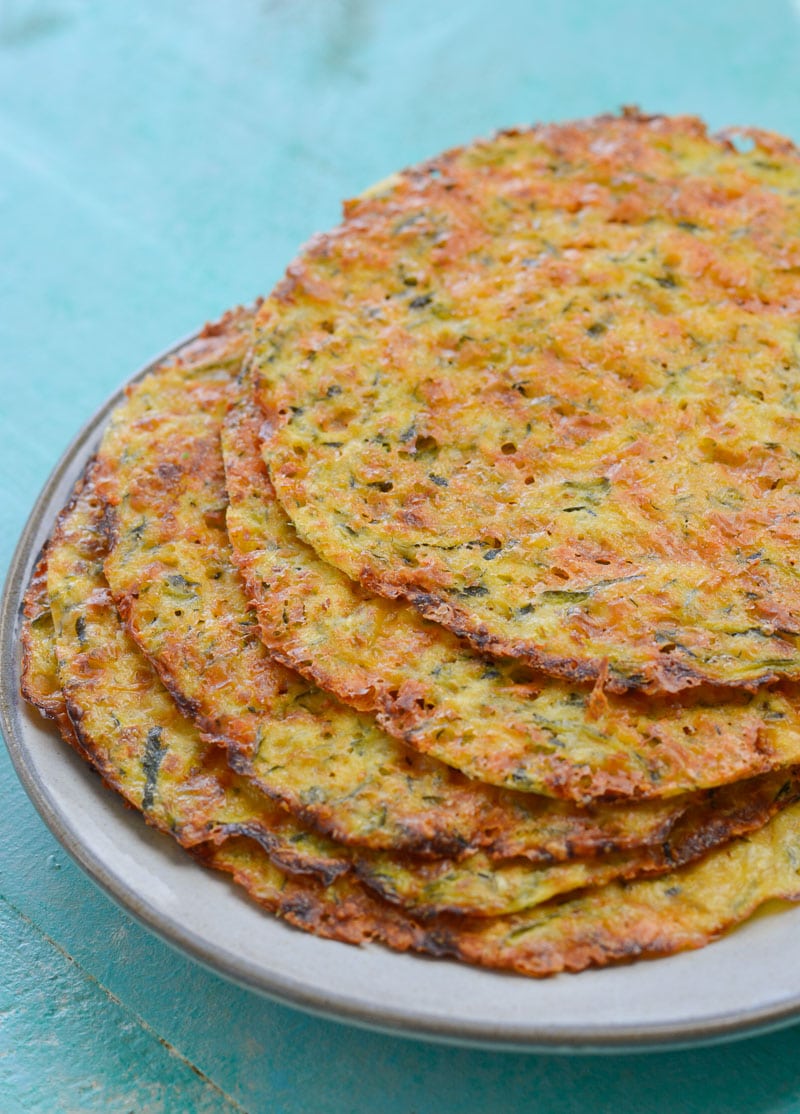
(160, 161)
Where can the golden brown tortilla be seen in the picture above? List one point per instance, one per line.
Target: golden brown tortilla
(545, 387)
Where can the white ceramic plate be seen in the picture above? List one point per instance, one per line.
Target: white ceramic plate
(749, 980)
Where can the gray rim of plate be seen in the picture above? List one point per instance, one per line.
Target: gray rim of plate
(749, 981)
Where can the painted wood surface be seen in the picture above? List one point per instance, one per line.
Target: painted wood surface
(160, 161)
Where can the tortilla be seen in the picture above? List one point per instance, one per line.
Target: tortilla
(39, 681)
(613, 924)
(545, 387)
(496, 721)
(483, 888)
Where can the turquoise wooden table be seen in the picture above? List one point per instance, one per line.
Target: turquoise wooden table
(160, 161)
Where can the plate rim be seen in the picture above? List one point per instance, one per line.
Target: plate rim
(716, 1028)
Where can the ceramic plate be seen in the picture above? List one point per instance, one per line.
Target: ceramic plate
(748, 980)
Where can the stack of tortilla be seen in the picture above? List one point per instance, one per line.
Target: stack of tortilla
(449, 598)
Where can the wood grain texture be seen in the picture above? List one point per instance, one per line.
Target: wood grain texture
(101, 1055)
